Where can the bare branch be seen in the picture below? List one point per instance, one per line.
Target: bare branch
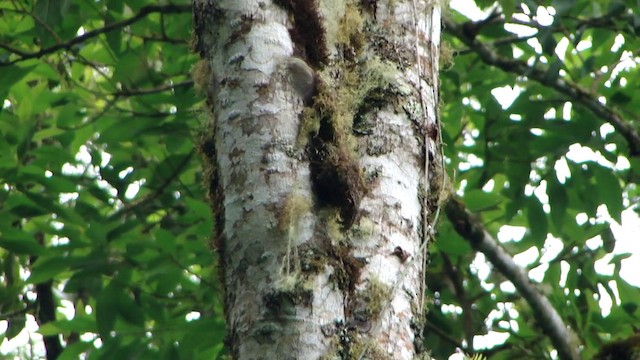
(536, 73)
(46, 304)
(131, 207)
(163, 9)
(159, 89)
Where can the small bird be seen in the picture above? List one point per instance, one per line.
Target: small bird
(303, 78)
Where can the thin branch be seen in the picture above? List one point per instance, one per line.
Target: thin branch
(467, 313)
(46, 313)
(164, 9)
(488, 353)
(445, 336)
(46, 27)
(506, 41)
(155, 115)
(162, 88)
(128, 208)
(607, 21)
(191, 272)
(18, 313)
(471, 228)
(13, 50)
(164, 39)
(536, 73)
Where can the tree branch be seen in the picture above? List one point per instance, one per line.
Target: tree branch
(445, 336)
(467, 312)
(506, 41)
(47, 313)
(472, 229)
(135, 92)
(46, 309)
(164, 9)
(572, 91)
(128, 208)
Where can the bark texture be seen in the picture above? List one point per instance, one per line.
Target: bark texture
(322, 118)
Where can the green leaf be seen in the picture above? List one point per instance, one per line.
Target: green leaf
(47, 133)
(97, 232)
(552, 275)
(508, 7)
(537, 221)
(107, 310)
(616, 7)
(563, 7)
(129, 310)
(15, 324)
(47, 268)
(617, 258)
(10, 75)
(548, 42)
(610, 192)
(88, 278)
(553, 72)
(452, 243)
(620, 98)
(20, 243)
(165, 240)
(608, 240)
(628, 294)
(60, 184)
(131, 68)
(558, 201)
(79, 324)
(27, 211)
(49, 14)
(49, 329)
(75, 350)
(478, 200)
(53, 155)
(199, 330)
(114, 38)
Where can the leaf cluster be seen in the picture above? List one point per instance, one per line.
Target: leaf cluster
(538, 158)
(101, 200)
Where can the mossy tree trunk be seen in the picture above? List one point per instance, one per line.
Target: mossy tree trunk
(321, 113)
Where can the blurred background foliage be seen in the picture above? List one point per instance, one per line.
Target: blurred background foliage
(104, 225)
(101, 196)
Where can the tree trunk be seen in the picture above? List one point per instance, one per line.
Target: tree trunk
(315, 161)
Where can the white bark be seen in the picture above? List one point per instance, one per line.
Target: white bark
(297, 284)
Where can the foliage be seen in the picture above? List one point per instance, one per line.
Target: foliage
(101, 198)
(516, 164)
(101, 194)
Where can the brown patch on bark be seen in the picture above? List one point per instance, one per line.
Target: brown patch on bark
(307, 33)
(203, 11)
(371, 6)
(205, 143)
(335, 175)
